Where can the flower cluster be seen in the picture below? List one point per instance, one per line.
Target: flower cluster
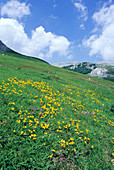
(61, 115)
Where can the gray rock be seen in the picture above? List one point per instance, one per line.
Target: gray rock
(99, 72)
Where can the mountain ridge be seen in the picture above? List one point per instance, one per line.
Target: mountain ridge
(99, 69)
(5, 49)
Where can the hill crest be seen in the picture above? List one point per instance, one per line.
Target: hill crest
(4, 48)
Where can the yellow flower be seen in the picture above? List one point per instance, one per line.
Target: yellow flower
(71, 143)
(63, 144)
(18, 121)
(87, 131)
(14, 130)
(74, 150)
(35, 96)
(112, 154)
(45, 133)
(66, 143)
(44, 143)
(24, 121)
(53, 150)
(58, 123)
(71, 139)
(51, 155)
(92, 146)
(12, 108)
(77, 126)
(21, 132)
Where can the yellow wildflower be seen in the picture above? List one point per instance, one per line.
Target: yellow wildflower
(74, 150)
(87, 131)
(51, 155)
(53, 150)
(21, 132)
(45, 133)
(12, 108)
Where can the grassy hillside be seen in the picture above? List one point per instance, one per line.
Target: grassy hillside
(110, 71)
(52, 118)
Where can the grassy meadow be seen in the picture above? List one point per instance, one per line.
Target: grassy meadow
(53, 118)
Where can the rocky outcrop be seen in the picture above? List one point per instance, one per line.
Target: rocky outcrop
(94, 69)
(99, 72)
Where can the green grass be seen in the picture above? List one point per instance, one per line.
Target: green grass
(52, 118)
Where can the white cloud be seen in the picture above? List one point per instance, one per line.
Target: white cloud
(104, 17)
(82, 26)
(15, 9)
(82, 9)
(59, 44)
(107, 3)
(52, 16)
(70, 57)
(42, 44)
(54, 4)
(103, 43)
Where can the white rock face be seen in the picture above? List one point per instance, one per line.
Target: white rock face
(99, 72)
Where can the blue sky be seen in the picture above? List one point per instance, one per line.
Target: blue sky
(59, 30)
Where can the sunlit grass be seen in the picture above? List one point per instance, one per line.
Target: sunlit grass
(59, 120)
(51, 122)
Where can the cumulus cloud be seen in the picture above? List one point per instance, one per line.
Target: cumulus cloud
(15, 9)
(82, 9)
(102, 41)
(42, 44)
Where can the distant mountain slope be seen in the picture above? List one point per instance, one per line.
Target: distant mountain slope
(102, 69)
